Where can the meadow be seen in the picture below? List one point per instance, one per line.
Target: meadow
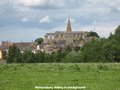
(94, 76)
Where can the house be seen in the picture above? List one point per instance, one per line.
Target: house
(37, 48)
(23, 46)
(51, 48)
(5, 45)
(1, 54)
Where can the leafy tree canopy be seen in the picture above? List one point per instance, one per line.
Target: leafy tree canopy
(94, 34)
(39, 40)
(14, 55)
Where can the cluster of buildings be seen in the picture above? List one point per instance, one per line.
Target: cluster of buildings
(52, 41)
(33, 46)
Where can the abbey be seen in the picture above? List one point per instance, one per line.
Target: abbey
(68, 37)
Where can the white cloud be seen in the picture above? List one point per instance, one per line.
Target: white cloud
(46, 19)
(118, 8)
(103, 31)
(39, 3)
(24, 19)
(31, 2)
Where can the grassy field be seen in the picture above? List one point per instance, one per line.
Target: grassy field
(93, 76)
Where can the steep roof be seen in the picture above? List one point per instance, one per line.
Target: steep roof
(69, 29)
(23, 45)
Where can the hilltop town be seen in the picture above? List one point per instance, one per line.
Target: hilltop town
(52, 42)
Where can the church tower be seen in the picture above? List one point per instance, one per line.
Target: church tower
(69, 29)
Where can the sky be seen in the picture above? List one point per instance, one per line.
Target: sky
(26, 20)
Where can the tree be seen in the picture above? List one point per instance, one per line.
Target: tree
(48, 58)
(73, 57)
(111, 50)
(39, 40)
(114, 41)
(108, 51)
(117, 34)
(77, 48)
(56, 57)
(92, 51)
(69, 58)
(40, 57)
(28, 57)
(93, 34)
(68, 48)
(14, 55)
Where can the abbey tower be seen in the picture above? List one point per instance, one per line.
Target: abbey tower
(69, 29)
(68, 37)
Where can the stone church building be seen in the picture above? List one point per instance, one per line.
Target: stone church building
(68, 37)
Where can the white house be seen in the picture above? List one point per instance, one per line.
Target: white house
(1, 55)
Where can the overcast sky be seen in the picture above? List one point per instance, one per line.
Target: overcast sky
(27, 20)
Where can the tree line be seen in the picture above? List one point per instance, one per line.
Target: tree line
(105, 50)
(97, 50)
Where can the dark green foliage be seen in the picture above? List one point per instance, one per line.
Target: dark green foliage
(28, 57)
(109, 50)
(94, 34)
(39, 40)
(48, 58)
(69, 58)
(56, 57)
(14, 55)
(92, 51)
(40, 57)
(73, 57)
(77, 48)
(114, 44)
(59, 56)
(117, 34)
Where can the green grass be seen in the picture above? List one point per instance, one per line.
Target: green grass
(94, 76)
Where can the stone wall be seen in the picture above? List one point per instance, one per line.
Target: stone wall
(69, 37)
